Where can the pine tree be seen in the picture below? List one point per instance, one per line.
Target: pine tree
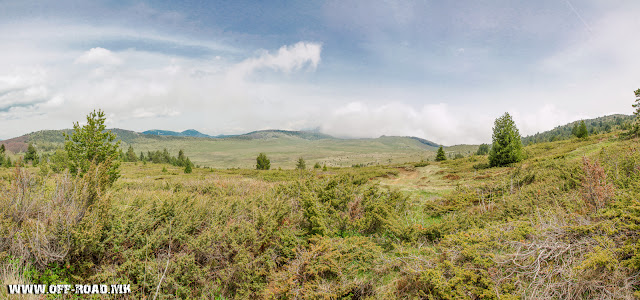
(92, 144)
(635, 129)
(636, 105)
(483, 150)
(324, 168)
(262, 162)
(181, 158)
(131, 155)
(188, 166)
(2, 149)
(301, 165)
(31, 154)
(582, 131)
(440, 156)
(317, 165)
(507, 143)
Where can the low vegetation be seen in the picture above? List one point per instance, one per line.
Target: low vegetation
(561, 223)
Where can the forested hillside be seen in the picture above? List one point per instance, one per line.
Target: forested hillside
(594, 126)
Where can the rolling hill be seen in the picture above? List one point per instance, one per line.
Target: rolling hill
(596, 125)
(283, 147)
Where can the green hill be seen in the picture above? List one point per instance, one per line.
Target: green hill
(281, 146)
(561, 224)
(597, 125)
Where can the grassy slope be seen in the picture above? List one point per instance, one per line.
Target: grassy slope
(284, 151)
(535, 229)
(240, 152)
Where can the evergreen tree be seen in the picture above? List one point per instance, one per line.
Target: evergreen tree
(507, 143)
(324, 168)
(440, 156)
(92, 144)
(142, 156)
(635, 129)
(7, 163)
(262, 162)
(31, 154)
(582, 131)
(181, 158)
(59, 161)
(131, 155)
(166, 157)
(317, 165)
(2, 149)
(188, 167)
(301, 165)
(483, 150)
(574, 129)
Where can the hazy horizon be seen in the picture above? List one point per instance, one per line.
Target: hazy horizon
(438, 71)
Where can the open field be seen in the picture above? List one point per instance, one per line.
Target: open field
(282, 149)
(560, 224)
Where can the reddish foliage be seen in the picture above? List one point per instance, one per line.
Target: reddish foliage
(596, 192)
(452, 177)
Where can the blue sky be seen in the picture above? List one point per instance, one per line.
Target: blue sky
(440, 70)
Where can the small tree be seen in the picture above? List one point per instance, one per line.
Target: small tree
(92, 144)
(483, 150)
(31, 154)
(131, 155)
(188, 167)
(317, 166)
(262, 162)
(2, 149)
(635, 129)
(181, 158)
(324, 168)
(636, 105)
(582, 131)
(301, 165)
(507, 143)
(440, 156)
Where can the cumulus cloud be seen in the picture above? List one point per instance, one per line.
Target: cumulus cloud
(287, 59)
(154, 112)
(49, 76)
(439, 123)
(99, 56)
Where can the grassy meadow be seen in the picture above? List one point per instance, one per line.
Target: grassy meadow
(561, 224)
(283, 148)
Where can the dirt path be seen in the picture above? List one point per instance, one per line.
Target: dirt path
(424, 181)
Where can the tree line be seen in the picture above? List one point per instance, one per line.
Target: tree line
(93, 144)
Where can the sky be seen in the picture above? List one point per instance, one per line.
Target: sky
(439, 70)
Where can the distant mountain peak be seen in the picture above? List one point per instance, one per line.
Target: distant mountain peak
(188, 132)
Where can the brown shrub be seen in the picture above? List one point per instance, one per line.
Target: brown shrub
(596, 192)
(452, 177)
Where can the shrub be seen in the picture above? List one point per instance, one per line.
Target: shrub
(262, 162)
(596, 192)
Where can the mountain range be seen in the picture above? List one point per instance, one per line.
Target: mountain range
(285, 146)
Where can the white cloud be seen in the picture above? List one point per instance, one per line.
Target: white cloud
(287, 59)
(439, 123)
(99, 56)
